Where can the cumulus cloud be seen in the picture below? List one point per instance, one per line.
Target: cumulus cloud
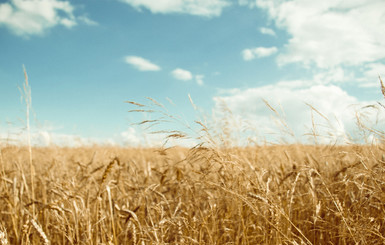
(336, 41)
(330, 33)
(181, 74)
(34, 17)
(250, 54)
(141, 64)
(204, 8)
(185, 75)
(291, 102)
(267, 31)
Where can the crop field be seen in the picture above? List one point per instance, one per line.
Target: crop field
(284, 194)
(207, 194)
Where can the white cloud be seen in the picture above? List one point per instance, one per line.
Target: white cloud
(45, 138)
(141, 64)
(290, 101)
(41, 137)
(267, 31)
(333, 76)
(330, 33)
(249, 3)
(181, 74)
(373, 70)
(199, 79)
(134, 137)
(130, 137)
(68, 22)
(369, 75)
(34, 17)
(207, 8)
(46, 135)
(87, 20)
(250, 54)
(185, 75)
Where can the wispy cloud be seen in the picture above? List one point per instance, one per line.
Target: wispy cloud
(141, 64)
(267, 31)
(199, 79)
(182, 74)
(370, 74)
(204, 8)
(34, 17)
(87, 20)
(250, 54)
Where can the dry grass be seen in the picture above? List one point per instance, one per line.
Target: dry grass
(289, 194)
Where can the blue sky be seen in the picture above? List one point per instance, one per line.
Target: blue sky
(85, 58)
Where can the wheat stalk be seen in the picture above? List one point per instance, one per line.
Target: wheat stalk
(26, 94)
(112, 214)
(40, 231)
(382, 86)
(3, 235)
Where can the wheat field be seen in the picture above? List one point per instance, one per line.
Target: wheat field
(212, 193)
(287, 194)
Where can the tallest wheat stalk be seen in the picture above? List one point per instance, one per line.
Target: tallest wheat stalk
(28, 101)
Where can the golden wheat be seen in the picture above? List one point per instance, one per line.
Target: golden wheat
(333, 194)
